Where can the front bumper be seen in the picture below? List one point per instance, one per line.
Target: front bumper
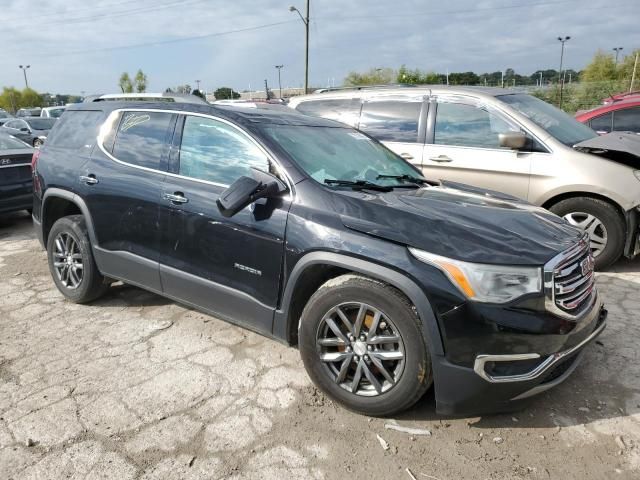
(477, 389)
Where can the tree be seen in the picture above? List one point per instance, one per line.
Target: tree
(223, 93)
(125, 83)
(183, 89)
(10, 99)
(374, 76)
(31, 98)
(140, 81)
(602, 68)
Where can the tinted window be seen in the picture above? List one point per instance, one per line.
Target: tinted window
(12, 124)
(41, 123)
(343, 110)
(627, 120)
(393, 121)
(217, 152)
(602, 123)
(76, 129)
(141, 138)
(469, 126)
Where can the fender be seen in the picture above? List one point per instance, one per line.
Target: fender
(431, 332)
(75, 199)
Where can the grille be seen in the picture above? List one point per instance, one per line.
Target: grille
(570, 281)
(15, 174)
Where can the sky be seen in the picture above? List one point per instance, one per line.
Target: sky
(76, 46)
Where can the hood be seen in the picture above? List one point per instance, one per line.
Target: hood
(621, 147)
(463, 224)
(15, 155)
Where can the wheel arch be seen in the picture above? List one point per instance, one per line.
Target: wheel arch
(58, 203)
(578, 194)
(303, 282)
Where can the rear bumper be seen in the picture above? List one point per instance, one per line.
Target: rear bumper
(16, 202)
(475, 390)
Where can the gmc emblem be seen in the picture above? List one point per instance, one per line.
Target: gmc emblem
(587, 265)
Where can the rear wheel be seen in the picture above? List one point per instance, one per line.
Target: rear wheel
(71, 262)
(362, 344)
(601, 221)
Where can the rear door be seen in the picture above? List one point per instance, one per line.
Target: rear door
(627, 120)
(463, 146)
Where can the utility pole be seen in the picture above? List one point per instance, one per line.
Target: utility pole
(279, 67)
(633, 75)
(447, 76)
(266, 88)
(305, 20)
(198, 84)
(502, 79)
(540, 79)
(617, 50)
(24, 71)
(560, 79)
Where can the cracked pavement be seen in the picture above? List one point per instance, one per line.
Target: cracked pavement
(135, 386)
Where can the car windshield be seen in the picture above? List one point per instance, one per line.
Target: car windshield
(56, 112)
(41, 123)
(331, 153)
(560, 125)
(7, 142)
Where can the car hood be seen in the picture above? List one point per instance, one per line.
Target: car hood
(621, 147)
(465, 223)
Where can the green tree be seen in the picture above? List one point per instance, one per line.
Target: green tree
(125, 83)
(140, 81)
(10, 99)
(31, 98)
(625, 68)
(374, 76)
(224, 93)
(602, 68)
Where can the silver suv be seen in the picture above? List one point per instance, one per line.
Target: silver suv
(506, 141)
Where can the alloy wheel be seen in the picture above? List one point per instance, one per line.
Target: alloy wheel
(67, 261)
(361, 349)
(593, 226)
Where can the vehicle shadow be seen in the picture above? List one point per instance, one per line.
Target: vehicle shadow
(9, 222)
(132, 296)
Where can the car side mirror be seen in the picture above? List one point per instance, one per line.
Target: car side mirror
(246, 190)
(24, 129)
(513, 140)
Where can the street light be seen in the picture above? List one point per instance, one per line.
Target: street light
(617, 50)
(24, 70)
(305, 20)
(279, 67)
(198, 84)
(560, 79)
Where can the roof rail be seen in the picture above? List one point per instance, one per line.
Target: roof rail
(365, 87)
(146, 97)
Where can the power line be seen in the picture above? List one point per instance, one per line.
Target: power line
(76, 10)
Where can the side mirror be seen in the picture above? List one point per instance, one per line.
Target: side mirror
(246, 190)
(512, 140)
(24, 129)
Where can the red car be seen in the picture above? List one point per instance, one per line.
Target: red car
(620, 115)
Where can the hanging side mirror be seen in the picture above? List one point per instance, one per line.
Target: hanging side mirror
(246, 190)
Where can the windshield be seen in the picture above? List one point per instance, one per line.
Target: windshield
(8, 142)
(563, 127)
(41, 123)
(56, 112)
(330, 153)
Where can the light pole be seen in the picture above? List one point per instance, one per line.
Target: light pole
(305, 20)
(198, 84)
(24, 71)
(560, 80)
(279, 67)
(617, 50)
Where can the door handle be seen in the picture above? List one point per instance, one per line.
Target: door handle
(406, 156)
(441, 159)
(89, 179)
(176, 197)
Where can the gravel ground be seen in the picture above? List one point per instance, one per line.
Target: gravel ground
(136, 386)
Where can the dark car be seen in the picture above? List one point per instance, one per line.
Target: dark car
(316, 234)
(32, 130)
(16, 186)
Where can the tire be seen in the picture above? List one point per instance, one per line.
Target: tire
(412, 375)
(68, 241)
(579, 211)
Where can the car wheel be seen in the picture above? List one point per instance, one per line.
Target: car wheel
(362, 344)
(37, 142)
(601, 221)
(71, 262)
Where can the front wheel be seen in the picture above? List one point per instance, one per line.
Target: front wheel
(601, 221)
(362, 344)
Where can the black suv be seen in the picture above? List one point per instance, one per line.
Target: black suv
(315, 234)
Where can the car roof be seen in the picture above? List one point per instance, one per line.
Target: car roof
(240, 115)
(610, 107)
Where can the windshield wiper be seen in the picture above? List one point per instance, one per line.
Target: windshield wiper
(405, 177)
(358, 184)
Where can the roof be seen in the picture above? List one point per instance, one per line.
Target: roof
(610, 107)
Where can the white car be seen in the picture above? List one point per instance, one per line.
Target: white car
(52, 112)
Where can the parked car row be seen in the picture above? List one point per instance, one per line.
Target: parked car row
(32, 130)
(316, 234)
(16, 185)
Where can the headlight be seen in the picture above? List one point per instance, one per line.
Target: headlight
(637, 174)
(483, 282)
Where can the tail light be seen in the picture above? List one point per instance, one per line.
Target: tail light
(34, 160)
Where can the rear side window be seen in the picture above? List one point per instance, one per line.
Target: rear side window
(76, 129)
(627, 120)
(602, 124)
(392, 121)
(344, 110)
(141, 138)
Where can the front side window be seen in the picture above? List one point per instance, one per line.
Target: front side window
(141, 138)
(464, 125)
(217, 152)
(391, 121)
(602, 124)
(627, 120)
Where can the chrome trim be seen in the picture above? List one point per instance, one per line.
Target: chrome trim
(108, 124)
(550, 361)
(16, 165)
(543, 387)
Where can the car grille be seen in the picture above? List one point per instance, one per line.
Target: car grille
(15, 174)
(570, 281)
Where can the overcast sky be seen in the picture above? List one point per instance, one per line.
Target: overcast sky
(76, 45)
